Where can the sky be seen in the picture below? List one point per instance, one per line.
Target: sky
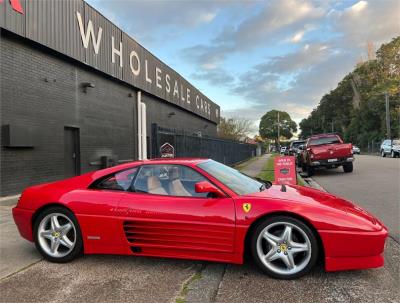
(253, 56)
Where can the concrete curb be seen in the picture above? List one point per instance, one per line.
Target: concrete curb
(9, 200)
(312, 183)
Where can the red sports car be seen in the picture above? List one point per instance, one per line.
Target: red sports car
(198, 209)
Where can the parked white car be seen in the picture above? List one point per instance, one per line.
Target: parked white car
(390, 147)
(356, 150)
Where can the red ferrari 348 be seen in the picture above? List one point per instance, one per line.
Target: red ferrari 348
(198, 209)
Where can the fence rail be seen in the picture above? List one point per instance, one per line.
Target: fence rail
(196, 145)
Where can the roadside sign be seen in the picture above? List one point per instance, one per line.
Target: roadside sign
(167, 151)
(285, 170)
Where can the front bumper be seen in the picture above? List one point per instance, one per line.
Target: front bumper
(23, 220)
(345, 250)
(326, 162)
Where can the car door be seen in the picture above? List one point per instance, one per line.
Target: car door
(387, 146)
(98, 211)
(164, 216)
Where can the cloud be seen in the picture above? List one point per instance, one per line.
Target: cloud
(144, 20)
(276, 19)
(375, 21)
(205, 56)
(261, 85)
(214, 77)
(305, 58)
(297, 37)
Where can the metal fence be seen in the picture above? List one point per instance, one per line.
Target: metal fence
(372, 146)
(196, 145)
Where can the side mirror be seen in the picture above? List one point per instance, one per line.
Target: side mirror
(207, 187)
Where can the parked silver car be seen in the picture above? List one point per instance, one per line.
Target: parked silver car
(390, 147)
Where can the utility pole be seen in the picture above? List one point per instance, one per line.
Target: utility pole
(387, 116)
(332, 129)
(279, 144)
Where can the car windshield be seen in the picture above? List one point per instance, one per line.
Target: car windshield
(324, 140)
(235, 180)
(297, 144)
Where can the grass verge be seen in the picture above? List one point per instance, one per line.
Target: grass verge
(267, 172)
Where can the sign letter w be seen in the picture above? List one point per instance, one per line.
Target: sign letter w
(89, 34)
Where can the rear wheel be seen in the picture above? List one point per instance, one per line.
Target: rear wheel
(348, 167)
(284, 247)
(57, 235)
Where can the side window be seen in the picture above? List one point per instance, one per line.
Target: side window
(119, 181)
(172, 180)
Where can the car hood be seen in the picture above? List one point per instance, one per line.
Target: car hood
(316, 198)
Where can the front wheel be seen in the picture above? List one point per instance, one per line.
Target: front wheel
(393, 154)
(284, 247)
(57, 235)
(383, 153)
(348, 167)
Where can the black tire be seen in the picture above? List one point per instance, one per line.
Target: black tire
(383, 153)
(286, 219)
(348, 167)
(310, 171)
(76, 251)
(392, 154)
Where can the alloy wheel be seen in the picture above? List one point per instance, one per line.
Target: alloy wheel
(284, 248)
(56, 235)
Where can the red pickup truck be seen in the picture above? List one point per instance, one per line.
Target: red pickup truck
(326, 150)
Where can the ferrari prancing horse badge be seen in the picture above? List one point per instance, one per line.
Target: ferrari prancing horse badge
(246, 207)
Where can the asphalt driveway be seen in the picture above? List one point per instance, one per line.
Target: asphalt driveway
(374, 185)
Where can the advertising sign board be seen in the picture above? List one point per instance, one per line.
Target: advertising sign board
(285, 170)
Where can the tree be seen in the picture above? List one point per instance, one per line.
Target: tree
(269, 125)
(356, 107)
(234, 128)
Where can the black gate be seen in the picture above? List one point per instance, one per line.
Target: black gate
(196, 145)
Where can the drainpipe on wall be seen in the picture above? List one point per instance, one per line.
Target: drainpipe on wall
(142, 128)
(139, 115)
(144, 131)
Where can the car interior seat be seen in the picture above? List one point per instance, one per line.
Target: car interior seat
(154, 186)
(176, 187)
